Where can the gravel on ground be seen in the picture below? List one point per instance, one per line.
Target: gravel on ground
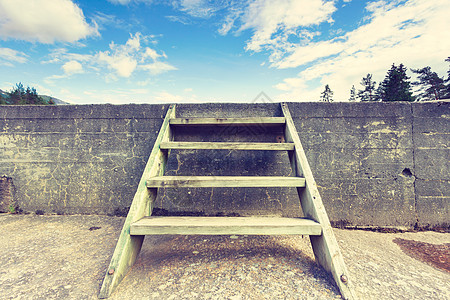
(65, 257)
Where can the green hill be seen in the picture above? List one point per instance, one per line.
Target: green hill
(4, 97)
(55, 100)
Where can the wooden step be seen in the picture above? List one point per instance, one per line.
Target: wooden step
(225, 225)
(224, 181)
(227, 145)
(262, 121)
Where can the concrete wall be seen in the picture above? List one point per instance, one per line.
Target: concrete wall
(431, 138)
(376, 163)
(76, 159)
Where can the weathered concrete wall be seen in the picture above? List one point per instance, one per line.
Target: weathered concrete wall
(360, 152)
(376, 163)
(431, 136)
(76, 159)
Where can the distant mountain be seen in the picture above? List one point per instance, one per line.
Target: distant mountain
(55, 100)
(5, 95)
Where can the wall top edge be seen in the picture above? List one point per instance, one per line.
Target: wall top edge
(227, 109)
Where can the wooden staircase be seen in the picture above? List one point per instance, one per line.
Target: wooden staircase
(139, 221)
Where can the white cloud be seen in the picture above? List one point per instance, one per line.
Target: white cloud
(8, 55)
(166, 97)
(42, 90)
(305, 54)
(115, 96)
(158, 67)
(72, 67)
(124, 96)
(274, 22)
(149, 52)
(197, 8)
(92, 96)
(134, 42)
(123, 2)
(61, 54)
(411, 33)
(45, 21)
(228, 24)
(203, 9)
(103, 21)
(122, 60)
(180, 19)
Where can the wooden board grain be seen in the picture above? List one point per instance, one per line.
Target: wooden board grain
(255, 121)
(224, 181)
(225, 225)
(228, 145)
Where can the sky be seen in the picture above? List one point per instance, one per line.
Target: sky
(183, 51)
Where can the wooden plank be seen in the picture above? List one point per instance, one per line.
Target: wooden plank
(325, 247)
(262, 121)
(224, 181)
(228, 145)
(225, 225)
(128, 247)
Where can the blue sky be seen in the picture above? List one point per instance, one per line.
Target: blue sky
(149, 51)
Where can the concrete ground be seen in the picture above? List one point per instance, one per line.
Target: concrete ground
(65, 257)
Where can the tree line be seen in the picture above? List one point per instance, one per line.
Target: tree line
(396, 86)
(20, 95)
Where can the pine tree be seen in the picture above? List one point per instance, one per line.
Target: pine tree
(395, 86)
(352, 94)
(17, 94)
(368, 93)
(431, 86)
(21, 96)
(448, 72)
(327, 94)
(447, 82)
(379, 92)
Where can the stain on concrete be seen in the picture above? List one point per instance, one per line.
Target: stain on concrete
(7, 203)
(436, 255)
